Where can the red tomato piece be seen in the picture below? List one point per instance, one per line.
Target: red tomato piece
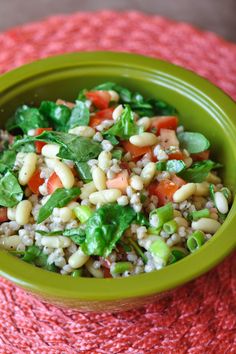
(178, 155)
(35, 182)
(167, 122)
(164, 190)
(40, 144)
(135, 150)
(204, 155)
(120, 181)
(98, 117)
(107, 273)
(178, 181)
(168, 138)
(54, 183)
(100, 99)
(3, 215)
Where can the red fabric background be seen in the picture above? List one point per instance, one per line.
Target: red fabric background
(201, 316)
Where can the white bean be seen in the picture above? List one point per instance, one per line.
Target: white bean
(114, 96)
(50, 150)
(105, 196)
(87, 189)
(202, 189)
(97, 273)
(78, 259)
(99, 178)
(56, 241)
(206, 225)
(184, 192)
(117, 112)
(181, 221)
(23, 211)
(145, 122)
(136, 183)
(65, 174)
(212, 178)
(104, 160)
(28, 168)
(221, 203)
(10, 242)
(83, 130)
(11, 213)
(148, 172)
(144, 139)
(65, 214)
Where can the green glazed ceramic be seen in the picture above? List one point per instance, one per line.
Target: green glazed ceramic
(203, 108)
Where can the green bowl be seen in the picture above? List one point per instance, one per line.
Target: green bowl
(203, 108)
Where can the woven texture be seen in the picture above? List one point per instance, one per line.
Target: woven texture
(197, 318)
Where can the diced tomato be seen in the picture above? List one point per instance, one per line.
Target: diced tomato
(65, 103)
(178, 181)
(178, 155)
(125, 166)
(168, 138)
(105, 262)
(107, 273)
(100, 99)
(119, 182)
(54, 183)
(35, 182)
(3, 215)
(135, 150)
(98, 117)
(164, 190)
(204, 155)
(40, 144)
(167, 122)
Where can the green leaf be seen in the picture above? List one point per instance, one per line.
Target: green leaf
(141, 219)
(26, 118)
(58, 199)
(31, 253)
(175, 166)
(193, 142)
(7, 160)
(27, 147)
(111, 138)
(105, 227)
(76, 234)
(84, 171)
(199, 170)
(57, 114)
(10, 190)
(79, 116)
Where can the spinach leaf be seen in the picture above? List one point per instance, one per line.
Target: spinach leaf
(193, 142)
(76, 234)
(31, 253)
(105, 227)
(57, 114)
(84, 171)
(27, 147)
(175, 166)
(79, 115)
(58, 199)
(10, 190)
(162, 108)
(35, 255)
(7, 160)
(141, 219)
(126, 126)
(111, 138)
(26, 118)
(199, 170)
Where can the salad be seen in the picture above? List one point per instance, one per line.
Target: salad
(110, 185)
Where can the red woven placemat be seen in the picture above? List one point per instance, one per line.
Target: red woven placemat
(201, 316)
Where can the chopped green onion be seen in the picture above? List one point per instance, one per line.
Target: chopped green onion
(153, 230)
(177, 253)
(163, 214)
(160, 250)
(77, 273)
(196, 215)
(121, 267)
(117, 154)
(170, 227)
(212, 192)
(226, 193)
(126, 247)
(31, 254)
(195, 241)
(138, 250)
(83, 213)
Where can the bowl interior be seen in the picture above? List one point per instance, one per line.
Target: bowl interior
(202, 107)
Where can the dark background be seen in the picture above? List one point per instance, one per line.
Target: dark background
(215, 15)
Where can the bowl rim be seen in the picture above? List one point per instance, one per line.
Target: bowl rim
(91, 289)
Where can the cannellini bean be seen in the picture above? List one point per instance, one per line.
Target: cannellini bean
(206, 225)
(28, 168)
(105, 196)
(83, 130)
(117, 112)
(65, 174)
(104, 160)
(212, 178)
(145, 122)
(56, 241)
(136, 183)
(65, 214)
(221, 203)
(78, 259)
(50, 150)
(87, 189)
(184, 192)
(181, 221)
(144, 139)
(51, 163)
(99, 178)
(23, 211)
(114, 96)
(148, 172)
(202, 189)
(10, 242)
(97, 273)
(11, 213)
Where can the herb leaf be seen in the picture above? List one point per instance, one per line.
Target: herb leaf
(79, 115)
(76, 234)
(58, 114)
(199, 171)
(193, 142)
(105, 227)
(58, 199)
(10, 190)
(7, 160)
(175, 166)
(84, 171)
